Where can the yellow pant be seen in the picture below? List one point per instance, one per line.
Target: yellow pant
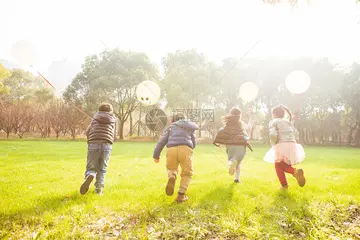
(180, 155)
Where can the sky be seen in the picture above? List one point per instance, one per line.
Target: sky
(218, 28)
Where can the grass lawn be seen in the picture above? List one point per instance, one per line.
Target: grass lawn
(39, 196)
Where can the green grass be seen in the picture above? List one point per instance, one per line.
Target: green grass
(39, 197)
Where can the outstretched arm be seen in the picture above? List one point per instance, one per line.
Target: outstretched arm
(161, 144)
(288, 111)
(251, 122)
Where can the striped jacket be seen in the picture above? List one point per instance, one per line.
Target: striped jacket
(101, 128)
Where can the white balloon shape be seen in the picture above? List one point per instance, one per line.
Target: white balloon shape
(24, 53)
(148, 92)
(298, 82)
(248, 91)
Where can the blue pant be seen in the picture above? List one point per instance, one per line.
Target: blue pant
(98, 157)
(236, 153)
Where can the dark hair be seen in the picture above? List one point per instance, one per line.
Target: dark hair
(235, 111)
(177, 116)
(279, 111)
(106, 107)
(235, 115)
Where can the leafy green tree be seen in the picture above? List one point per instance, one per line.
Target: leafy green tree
(112, 76)
(188, 78)
(4, 90)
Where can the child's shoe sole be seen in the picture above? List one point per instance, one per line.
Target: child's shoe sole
(170, 186)
(86, 185)
(232, 168)
(300, 178)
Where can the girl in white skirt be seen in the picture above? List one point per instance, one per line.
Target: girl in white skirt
(285, 152)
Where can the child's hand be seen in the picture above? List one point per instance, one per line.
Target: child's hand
(284, 107)
(251, 108)
(156, 160)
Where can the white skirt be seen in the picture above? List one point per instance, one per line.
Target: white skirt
(288, 152)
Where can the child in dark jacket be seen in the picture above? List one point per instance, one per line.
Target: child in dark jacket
(180, 140)
(235, 137)
(100, 135)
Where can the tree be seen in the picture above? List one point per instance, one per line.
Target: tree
(42, 121)
(24, 86)
(291, 2)
(4, 73)
(6, 119)
(23, 115)
(57, 116)
(112, 76)
(351, 95)
(19, 84)
(188, 78)
(75, 120)
(4, 90)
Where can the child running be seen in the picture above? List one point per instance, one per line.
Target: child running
(285, 151)
(235, 137)
(100, 135)
(180, 140)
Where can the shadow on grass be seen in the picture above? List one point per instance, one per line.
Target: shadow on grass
(44, 205)
(288, 215)
(219, 197)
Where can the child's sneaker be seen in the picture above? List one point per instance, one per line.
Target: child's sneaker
(86, 184)
(181, 198)
(237, 181)
(99, 191)
(170, 186)
(232, 167)
(284, 187)
(300, 178)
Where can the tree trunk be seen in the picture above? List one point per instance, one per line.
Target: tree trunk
(200, 123)
(321, 137)
(139, 121)
(339, 138)
(121, 129)
(312, 136)
(131, 124)
(350, 136)
(73, 134)
(357, 138)
(302, 137)
(308, 136)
